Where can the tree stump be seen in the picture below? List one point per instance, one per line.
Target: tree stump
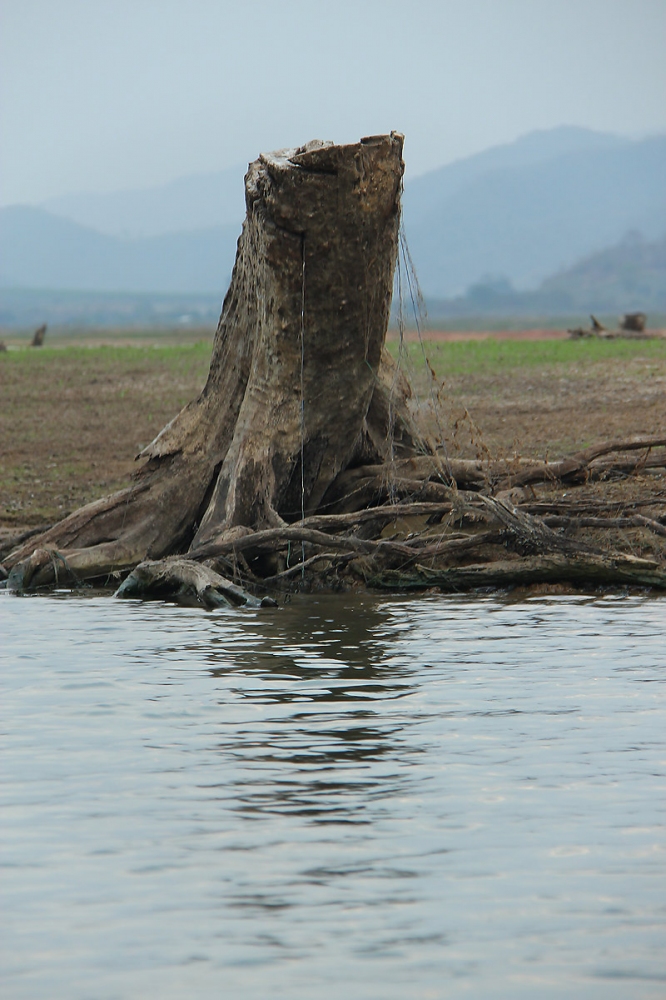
(634, 322)
(38, 336)
(299, 461)
(299, 387)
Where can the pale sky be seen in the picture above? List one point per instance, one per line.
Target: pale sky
(102, 95)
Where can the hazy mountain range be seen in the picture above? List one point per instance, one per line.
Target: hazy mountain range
(521, 213)
(41, 250)
(628, 277)
(200, 201)
(528, 210)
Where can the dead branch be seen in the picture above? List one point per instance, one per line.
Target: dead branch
(11, 542)
(299, 568)
(635, 521)
(385, 514)
(591, 506)
(271, 538)
(578, 463)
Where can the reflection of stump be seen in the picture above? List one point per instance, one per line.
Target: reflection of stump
(38, 336)
(297, 391)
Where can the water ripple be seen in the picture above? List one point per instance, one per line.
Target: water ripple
(389, 798)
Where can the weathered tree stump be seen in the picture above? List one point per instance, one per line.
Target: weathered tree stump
(38, 336)
(300, 465)
(299, 388)
(634, 322)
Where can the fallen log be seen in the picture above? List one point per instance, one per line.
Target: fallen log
(556, 567)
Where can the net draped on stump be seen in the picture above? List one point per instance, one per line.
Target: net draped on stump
(301, 452)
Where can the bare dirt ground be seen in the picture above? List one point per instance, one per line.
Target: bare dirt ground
(71, 421)
(550, 412)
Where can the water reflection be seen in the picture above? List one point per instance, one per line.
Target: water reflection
(337, 651)
(346, 636)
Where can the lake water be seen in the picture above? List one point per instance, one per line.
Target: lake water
(348, 797)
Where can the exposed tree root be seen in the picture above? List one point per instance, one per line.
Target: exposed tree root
(185, 578)
(401, 545)
(12, 541)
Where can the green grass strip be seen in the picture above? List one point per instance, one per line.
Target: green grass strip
(487, 356)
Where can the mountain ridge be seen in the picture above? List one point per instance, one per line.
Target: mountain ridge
(41, 250)
(195, 201)
(627, 277)
(213, 198)
(523, 211)
(529, 221)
